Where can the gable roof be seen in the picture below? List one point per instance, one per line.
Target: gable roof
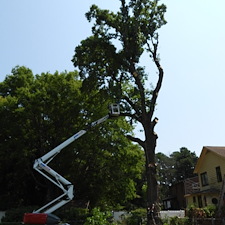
(220, 151)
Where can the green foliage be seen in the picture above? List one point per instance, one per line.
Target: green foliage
(99, 218)
(72, 214)
(206, 212)
(40, 114)
(210, 210)
(174, 168)
(135, 217)
(32, 111)
(176, 221)
(109, 58)
(184, 163)
(164, 173)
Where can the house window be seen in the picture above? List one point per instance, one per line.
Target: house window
(204, 179)
(194, 200)
(200, 201)
(205, 201)
(215, 201)
(218, 174)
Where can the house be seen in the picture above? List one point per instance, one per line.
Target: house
(176, 198)
(210, 169)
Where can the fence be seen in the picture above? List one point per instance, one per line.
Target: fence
(172, 213)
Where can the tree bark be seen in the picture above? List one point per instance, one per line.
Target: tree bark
(152, 189)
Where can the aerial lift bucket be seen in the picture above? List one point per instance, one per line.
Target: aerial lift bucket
(114, 110)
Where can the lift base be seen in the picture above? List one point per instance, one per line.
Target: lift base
(40, 218)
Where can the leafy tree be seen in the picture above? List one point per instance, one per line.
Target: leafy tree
(165, 173)
(174, 168)
(28, 111)
(110, 59)
(13, 142)
(38, 113)
(184, 163)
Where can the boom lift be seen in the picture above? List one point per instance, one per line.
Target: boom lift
(44, 214)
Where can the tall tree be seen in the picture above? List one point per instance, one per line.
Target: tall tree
(184, 162)
(165, 169)
(111, 59)
(174, 168)
(33, 110)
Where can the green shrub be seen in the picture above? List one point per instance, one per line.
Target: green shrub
(72, 214)
(179, 221)
(206, 212)
(135, 217)
(99, 218)
(176, 221)
(210, 210)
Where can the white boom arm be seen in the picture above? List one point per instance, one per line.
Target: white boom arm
(41, 165)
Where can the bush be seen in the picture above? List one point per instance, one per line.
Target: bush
(99, 218)
(179, 221)
(72, 214)
(206, 212)
(210, 211)
(176, 221)
(135, 217)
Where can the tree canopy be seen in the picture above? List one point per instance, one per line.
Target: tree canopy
(175, 168)
(184, 162)
(39, 112)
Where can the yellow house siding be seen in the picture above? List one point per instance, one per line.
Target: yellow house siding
(211, 158)
(211, 161)
(205, 198)
(190, 201)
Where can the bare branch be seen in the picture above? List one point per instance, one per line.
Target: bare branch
(137, 140)
(154, 122)
(134, 107)
(160, 78)
(140, 86)
(133, 116)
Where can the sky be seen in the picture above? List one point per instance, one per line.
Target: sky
(42, 36)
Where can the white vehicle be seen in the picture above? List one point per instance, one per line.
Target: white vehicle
(44, 214)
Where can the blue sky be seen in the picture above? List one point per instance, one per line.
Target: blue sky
(42, 35)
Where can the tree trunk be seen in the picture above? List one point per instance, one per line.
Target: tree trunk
(152, 187)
